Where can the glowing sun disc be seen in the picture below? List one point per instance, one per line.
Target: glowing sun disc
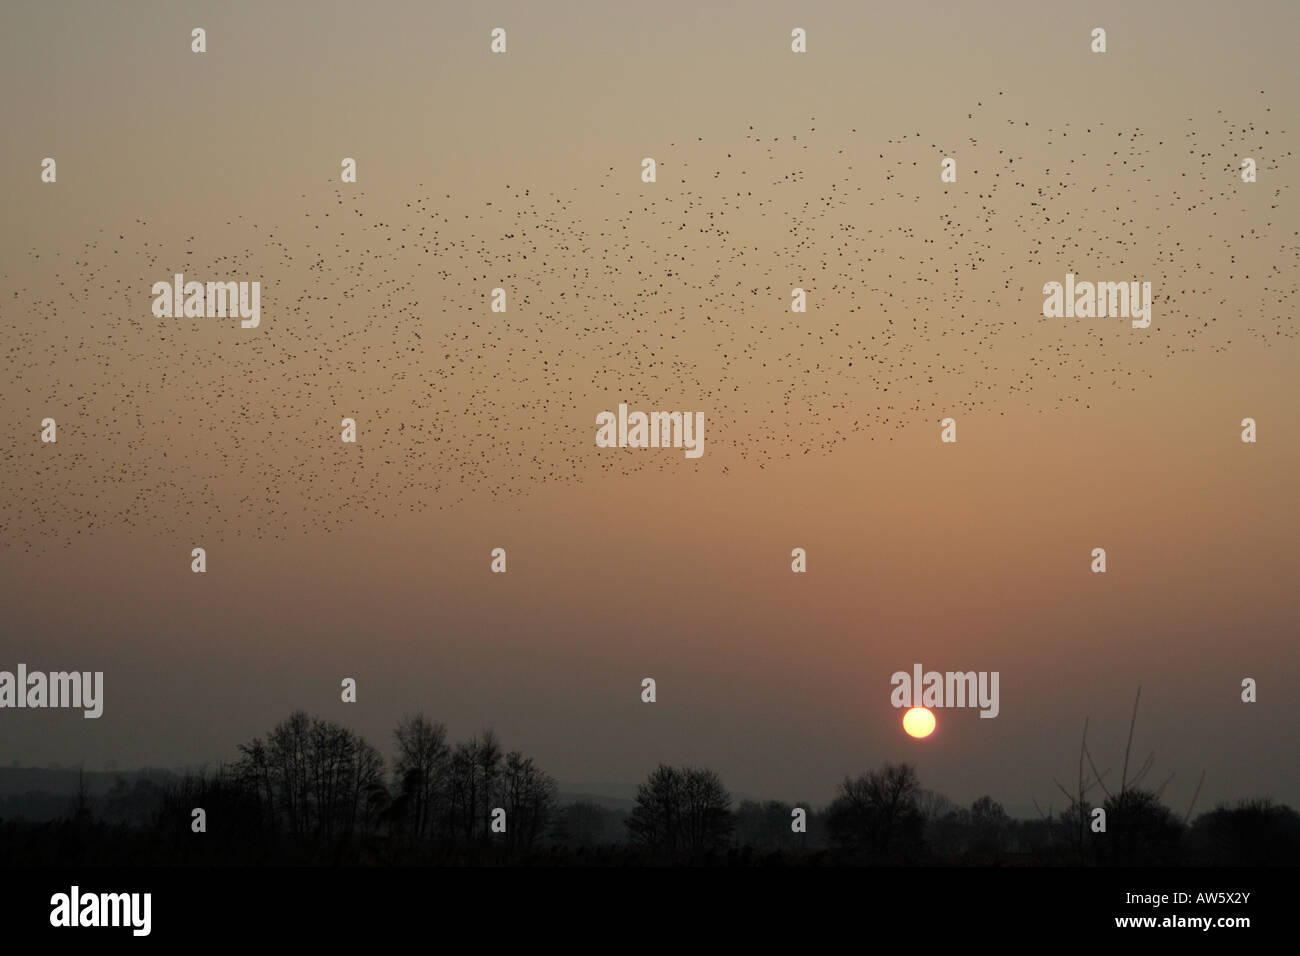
(919, 722)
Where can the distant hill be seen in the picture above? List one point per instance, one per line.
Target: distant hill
(15, 781)
(39, 794)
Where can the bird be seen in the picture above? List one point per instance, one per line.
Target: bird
(924, 301)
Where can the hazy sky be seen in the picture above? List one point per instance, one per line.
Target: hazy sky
(776, 170)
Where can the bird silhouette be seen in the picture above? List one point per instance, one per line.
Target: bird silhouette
(924, 299)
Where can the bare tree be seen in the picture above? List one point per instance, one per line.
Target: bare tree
(318, 777)
(529, 797)
(422, 770)
(876, 815)
(463, 791)
(655, 822)
(487, 767)
(681, 812)
(1139, 827)
(706, 811)
(990, 826)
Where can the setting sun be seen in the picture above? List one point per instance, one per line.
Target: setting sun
(919, 722)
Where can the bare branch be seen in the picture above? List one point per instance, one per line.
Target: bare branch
(1147, 765)
(1083, 746)
(1161, 789)
(1099, 776)
(1123, 780)
(1194, 796)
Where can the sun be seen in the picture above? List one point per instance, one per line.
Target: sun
(919, 722)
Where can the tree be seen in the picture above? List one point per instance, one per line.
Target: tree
(1140, 830)
(706, 812)
(528, 795)
(462, 791)
(475, 766)
(422, 771)
(487, 766)
(316, 777)
(876, 816)
(681, 813)
(655, 820)
(948, 836)
(1253, 833)
(370, 794)
(989, 827)
(933, 805)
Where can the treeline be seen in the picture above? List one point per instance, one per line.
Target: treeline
(314, 792)
(884, 817)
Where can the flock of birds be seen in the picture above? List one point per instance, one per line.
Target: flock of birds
(924, 301)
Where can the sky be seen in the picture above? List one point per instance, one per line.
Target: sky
(775, 171)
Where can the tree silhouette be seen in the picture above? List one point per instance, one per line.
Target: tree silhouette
(528, 796)
(319, 780)
(312, 791)
(422, 772)
(486, 768)
(876, 817)
(1253, 833)
(1140, 830)
(990, 826)
(681, 814)
(1145, 831)
(475, 765)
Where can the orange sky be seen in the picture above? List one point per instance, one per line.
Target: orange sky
(478, 431)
